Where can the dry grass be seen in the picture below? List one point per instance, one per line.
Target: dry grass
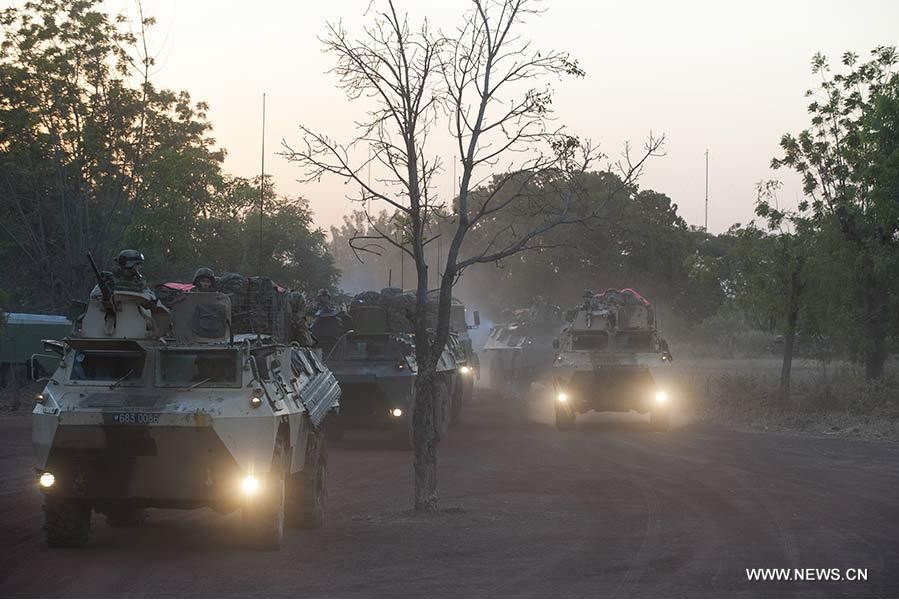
(832, 400)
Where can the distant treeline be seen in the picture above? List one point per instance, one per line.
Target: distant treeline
(94, 158)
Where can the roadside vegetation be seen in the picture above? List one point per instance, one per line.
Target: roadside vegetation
(94, 157)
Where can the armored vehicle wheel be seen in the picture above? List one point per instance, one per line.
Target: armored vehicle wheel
(565, 419)
(66, 522)
(660, 420)
(468, 390)
(307, 490)
(125, 516)
(264, 515)
(456, 403)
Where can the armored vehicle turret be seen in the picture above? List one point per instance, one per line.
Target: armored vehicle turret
(519, 350)
(372, 354)
(611, 357)
(172, 407)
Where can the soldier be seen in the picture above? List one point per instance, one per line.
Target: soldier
(126, 274)
(299, 331)
(204, 280)
(323, 302)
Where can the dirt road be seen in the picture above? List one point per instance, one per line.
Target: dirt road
(610, 509)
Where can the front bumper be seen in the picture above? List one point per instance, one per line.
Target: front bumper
(160, 466)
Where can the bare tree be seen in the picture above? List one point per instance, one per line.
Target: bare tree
(479, 86)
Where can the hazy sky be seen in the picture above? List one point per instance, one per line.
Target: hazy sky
(719, 75)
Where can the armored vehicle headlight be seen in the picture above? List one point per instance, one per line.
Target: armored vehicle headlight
(47, 479)
(249, 485)
(397, 412)
(39, 399)
(661, 397)
(465, 369)
(562, 397)
(255, 401)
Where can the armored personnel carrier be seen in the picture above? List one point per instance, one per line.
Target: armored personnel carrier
(371, 351)
(610, 357)
(467, 359)
(519, 351)
(155, 406)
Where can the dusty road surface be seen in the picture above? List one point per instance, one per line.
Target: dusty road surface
(609, 509)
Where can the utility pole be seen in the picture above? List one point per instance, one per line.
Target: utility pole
(706, 190)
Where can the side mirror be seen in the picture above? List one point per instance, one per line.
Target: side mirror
(40, 371)
(556, 344)
(477, 318)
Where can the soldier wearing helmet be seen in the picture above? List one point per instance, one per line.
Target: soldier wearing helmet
(323, 301)
(204, 280)
(126, 274)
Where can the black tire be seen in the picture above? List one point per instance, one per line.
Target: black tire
(565, 418)
(264, 516)
(307, 491)
(457, 402)
(125, 516)
(468, 389)
(660, 420)
(67, 522)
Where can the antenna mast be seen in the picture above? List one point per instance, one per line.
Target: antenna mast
(706, 190)
(262, 186)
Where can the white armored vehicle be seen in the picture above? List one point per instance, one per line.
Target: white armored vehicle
(610, 357)
(169, 408)
(519, 351)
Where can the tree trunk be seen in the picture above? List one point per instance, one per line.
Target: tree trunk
(787, 365)
(875, 303)
(424, 439)
(786, 369)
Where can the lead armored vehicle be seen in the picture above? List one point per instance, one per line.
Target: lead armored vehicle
(519, 351)
(611, 357)
(371, 351)
(155, 406)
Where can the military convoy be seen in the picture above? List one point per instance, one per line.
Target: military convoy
(519, 350)
(216, 395)
(371, 351)
(179, 406)
(611, 357)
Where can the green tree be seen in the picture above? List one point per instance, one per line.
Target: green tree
(849, 161)
(85, 140)
(771, 275)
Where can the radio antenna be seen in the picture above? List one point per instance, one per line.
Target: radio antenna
(262, 186)
(706, 227)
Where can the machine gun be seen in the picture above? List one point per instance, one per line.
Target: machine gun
(106, 286)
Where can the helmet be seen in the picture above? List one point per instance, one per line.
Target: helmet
(204, 272)
(129, 259)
